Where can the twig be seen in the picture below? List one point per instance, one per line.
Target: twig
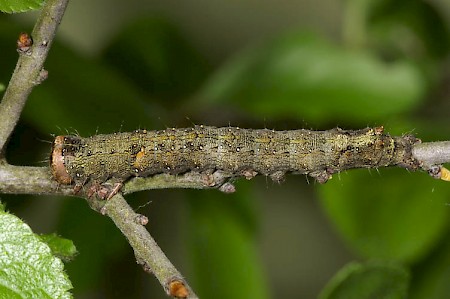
(147, 252)
(29, 69)
(38, 180)
(189, 180)
(29, 72)
(432, 153)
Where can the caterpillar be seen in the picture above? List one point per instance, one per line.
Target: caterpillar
(236, 151)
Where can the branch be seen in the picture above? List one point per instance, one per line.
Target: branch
(29, 70)
(28, 73)
(431, 155)
(147, 252)
(38, 180)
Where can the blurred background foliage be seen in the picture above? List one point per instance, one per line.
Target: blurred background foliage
(278, 64)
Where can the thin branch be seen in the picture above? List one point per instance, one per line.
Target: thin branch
(432, 153)
(30, 180)
(38, 180)
(431, 156)
(29, 70)
(147, 252)
(189, 180)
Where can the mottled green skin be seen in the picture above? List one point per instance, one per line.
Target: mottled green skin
(233, 150)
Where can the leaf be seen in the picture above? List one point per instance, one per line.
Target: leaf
(27, 267)
(370, 280)
(14, 6)
(60, 247)
(303, 77)
(222, 246)
(389, 215)
(2, 87)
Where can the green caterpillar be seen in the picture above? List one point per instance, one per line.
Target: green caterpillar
(235, 151)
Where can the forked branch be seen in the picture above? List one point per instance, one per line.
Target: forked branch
(39, 180)
(28, 73)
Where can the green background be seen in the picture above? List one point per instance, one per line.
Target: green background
(119, 66)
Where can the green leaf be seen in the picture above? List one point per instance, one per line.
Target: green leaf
(2, 87)
(369, 280)
(60, 247)
(225, 259)
(391, 214)
(303, 77)
(14, 6)
(27, 267)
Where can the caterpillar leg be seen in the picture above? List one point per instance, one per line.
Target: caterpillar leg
(104, 190)
(322, 176)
